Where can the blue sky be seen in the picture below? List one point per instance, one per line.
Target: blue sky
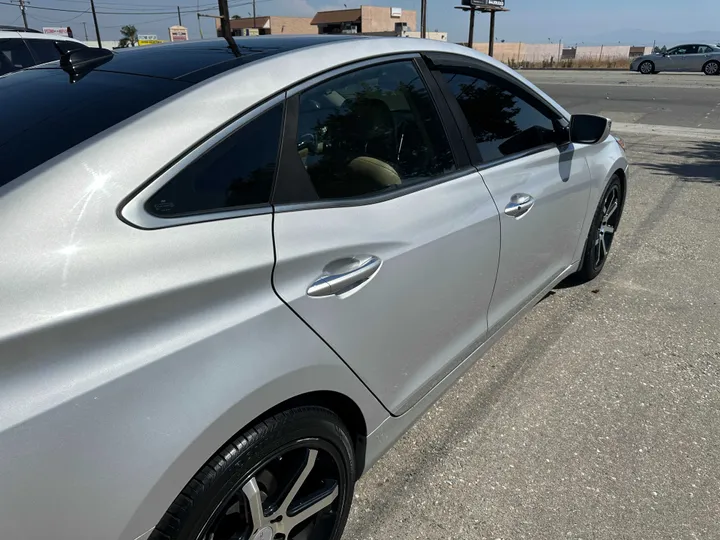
(529, 20)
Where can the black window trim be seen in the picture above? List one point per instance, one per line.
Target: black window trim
(133, 211)
(436, 61)
(293, 186)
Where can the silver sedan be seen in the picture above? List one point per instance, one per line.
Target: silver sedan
(700, 58)
(234, 273)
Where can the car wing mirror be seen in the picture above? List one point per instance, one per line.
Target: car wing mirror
(589, 128)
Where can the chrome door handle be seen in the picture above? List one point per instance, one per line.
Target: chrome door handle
(343, 275)
(519, 205)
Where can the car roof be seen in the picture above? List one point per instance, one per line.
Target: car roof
(14, 34)
(195, 61)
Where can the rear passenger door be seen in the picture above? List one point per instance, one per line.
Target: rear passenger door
(539, 181)
(387, 239)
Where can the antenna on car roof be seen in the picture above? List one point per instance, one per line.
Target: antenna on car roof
(78, 62)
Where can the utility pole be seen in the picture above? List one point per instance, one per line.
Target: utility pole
(423, 19)
(179, 17)
(254, 23)
(85, 28)
(97, 28)
(24, 15)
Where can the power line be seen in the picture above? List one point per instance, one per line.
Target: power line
(136, 6)
(121, 12)
(60, 21)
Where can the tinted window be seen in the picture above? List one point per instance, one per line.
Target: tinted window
(238, 171)
(502, 122)
(44, 50)
(691, 49)
(49, 115)
(14, 55)
(704, 49)
(371, 130)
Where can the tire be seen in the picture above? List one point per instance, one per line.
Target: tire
(602, 231)
(297, 466)
(712, 68)
(647, 68)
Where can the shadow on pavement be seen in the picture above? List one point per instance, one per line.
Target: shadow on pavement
(700, 162)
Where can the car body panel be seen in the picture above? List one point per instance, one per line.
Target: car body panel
(110, 331)
(439, 248)
(540, 245)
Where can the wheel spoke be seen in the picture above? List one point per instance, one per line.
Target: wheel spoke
(252, 492)
(321, 503)
(611, 210)
(307, 467)
(604, 246)
(609, 229)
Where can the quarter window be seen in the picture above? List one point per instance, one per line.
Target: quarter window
(371, 130)
(237, 172)
(44, 50)
(502, 122)
(14, 55)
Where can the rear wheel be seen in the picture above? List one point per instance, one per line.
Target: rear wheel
(646, 68)
(602, 231)
(712, 68)
(290, 477)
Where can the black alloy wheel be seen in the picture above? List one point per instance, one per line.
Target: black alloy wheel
(602, 231)
(289, 478)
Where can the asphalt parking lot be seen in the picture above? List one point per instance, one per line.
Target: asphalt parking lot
(598, 416)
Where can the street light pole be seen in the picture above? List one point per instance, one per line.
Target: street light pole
(423, 19)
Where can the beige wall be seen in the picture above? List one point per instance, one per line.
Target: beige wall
(292, 25)
(607, 52)
(378, 19)
(530, 52)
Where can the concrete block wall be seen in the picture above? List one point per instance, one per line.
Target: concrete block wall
(607, 52)
(378, 19)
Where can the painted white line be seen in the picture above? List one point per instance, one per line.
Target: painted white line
(668, 131)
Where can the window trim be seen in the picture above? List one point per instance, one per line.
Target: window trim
(437, 61)
(290, 182)
(133, 212)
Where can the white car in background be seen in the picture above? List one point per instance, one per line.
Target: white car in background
(21, 48)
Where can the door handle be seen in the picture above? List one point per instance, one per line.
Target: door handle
(343, 275)
(519, 205)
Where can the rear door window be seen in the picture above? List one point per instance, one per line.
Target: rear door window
(44, 50)
(14, 55)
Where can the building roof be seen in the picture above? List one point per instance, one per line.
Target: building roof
(337, 16)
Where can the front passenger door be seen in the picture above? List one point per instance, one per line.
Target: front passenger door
(540, 184)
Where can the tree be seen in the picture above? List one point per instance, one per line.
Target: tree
(660, 50)
(130, 37)
(236, 17)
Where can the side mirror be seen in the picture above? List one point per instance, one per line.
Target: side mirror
(589, 128)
